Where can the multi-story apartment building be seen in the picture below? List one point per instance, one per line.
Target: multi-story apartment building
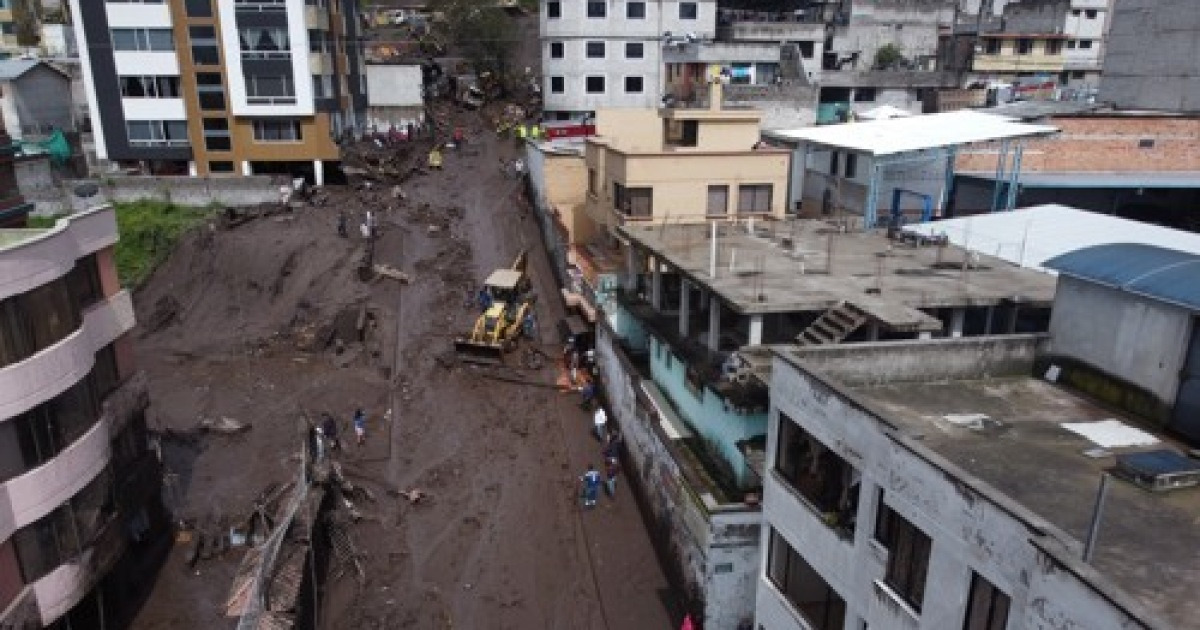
(607, 54)
(79, 488)
(1058, 41)
(209, 87)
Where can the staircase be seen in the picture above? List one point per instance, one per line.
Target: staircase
(833, 325)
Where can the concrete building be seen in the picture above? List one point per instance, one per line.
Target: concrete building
(1150, 60)
(682, 346)
(1044, 45)
(395, 96)
(1126, 330)
(609, 54)
(79, 488)
(35, 98)
(942, 485)
(222, 87)
(8, 32)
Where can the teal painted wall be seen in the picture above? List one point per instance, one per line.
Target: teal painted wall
(705, 411)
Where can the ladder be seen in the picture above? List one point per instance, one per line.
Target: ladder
(833, 325)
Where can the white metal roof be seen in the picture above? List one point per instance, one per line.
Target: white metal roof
(1031, 236)
(913, 133)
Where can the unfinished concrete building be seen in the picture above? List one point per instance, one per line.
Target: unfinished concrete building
(682, 344)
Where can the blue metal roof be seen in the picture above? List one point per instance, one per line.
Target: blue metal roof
(1163, 274)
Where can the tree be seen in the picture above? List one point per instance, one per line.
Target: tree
(25, 23)
(484, 33)
(888, 57)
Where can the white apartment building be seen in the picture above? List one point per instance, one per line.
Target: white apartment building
(1085, 27)
(600, 54)
(934, 486)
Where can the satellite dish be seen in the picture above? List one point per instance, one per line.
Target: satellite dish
(86, 190)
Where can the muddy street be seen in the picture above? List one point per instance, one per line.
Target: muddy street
(267, 323)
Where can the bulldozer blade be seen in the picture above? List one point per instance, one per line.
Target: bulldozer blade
(484, 353)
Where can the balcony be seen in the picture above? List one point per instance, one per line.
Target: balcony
(62, 588)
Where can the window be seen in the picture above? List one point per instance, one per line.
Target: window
(1071, 44)
(1076, 12)
(806, 49)
(281, 130)
(635, 10)
(33, 438)
(556, 50)
(553, 10)
(149, 87)
(1024, 46)
(1085, 44)
(851, 165)
(826, 481)
(142, 39)
(1053, 46)
(593, 186)
(908, 555)
(833, 162)
(204, 45)
(322, 85)
(1077, 74)
(84, 282)
(317, 42)
(198, 8)
(265, 42)
(595, 50)
(1146, 143)
(269, 89)
(633, 85)
(157, 133)
(687, 10)
(718, 201)
(597, 9)
(209, 91)
(220, 167)
(633, 202)
(634, 50)
(557, 85)
(34, 320)
(106, 376)
(595, 85)
(864, 95)
(803, 587)
(1090, 14)
(991, 46)
(987, 606)
(216, 134)
(754, 198)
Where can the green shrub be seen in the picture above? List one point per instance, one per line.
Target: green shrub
(149, 231)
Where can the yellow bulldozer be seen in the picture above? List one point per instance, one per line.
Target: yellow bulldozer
(507, 298)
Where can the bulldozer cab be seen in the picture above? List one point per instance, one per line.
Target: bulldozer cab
(506, 285)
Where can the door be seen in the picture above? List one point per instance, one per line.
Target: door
(1186, 418)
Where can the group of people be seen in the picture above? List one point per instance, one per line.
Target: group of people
(611, 452)
(326, 433)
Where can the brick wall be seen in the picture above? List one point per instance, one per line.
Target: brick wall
(1099, 143)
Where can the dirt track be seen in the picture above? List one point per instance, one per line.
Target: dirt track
(502, 541)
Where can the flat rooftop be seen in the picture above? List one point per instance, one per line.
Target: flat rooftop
(1149, 543)
(809, 265)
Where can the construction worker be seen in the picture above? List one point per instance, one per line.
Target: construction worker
(521, 131)
(535, 132)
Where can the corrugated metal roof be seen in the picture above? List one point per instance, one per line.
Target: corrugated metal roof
(915, 133)
(1031, 236)
(1164, 274)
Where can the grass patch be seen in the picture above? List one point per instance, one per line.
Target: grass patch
(41, 222)
(149, 231)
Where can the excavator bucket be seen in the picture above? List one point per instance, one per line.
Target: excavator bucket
(475, 352)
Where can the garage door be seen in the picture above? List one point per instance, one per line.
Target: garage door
(1186, 418)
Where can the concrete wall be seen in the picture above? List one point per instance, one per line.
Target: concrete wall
(1137, 339)
(192, 191)
(913, 361)
(713, 553)
(1102, 143)
(394, 86)
(1150, 61)
(973, 529)
(926, 178)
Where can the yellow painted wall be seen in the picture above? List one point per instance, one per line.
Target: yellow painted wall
(1007, 60)
(316, 143)
(566, 191)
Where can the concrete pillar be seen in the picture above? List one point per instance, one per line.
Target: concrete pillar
(685, 311)
(987, 322)
(247, 170)
(872, 330)
(1012, 320)
(192, 172)
(925, 334)
(957, 317)
(318, 172)
(756, 328)
(656, 287)
(714, 325)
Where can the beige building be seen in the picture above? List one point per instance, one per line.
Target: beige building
(682, 166)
